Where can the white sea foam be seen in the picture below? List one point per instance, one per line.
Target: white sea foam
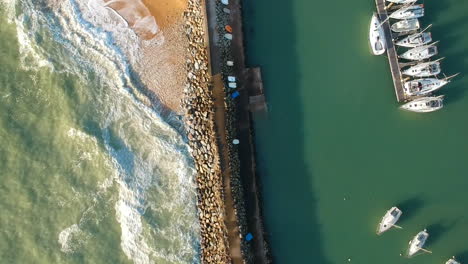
(149, 159)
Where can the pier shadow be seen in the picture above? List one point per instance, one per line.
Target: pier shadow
(410, 208)
(451, 35)
(289, 204)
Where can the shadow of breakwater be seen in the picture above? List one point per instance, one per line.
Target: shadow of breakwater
(289, 205)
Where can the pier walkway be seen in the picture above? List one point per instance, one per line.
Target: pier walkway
(391, 52)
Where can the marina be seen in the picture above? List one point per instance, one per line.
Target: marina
(420, 50)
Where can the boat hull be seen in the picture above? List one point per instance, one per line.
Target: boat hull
(421, 87)
(410, 12)
(405, 25)
(423, 70)
(376, 36)
(389, 220)
(420, 53)
(417, 243)
(424, 104)
(415, 40)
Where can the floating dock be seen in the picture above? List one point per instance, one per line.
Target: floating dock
(391, 53)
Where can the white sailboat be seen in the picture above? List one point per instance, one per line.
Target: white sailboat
(416, 40)
(421, 52)
(425, 105)
(376, 36)
(424, 86)
(417, 243)
(401, 1)
(405, 25)
(424, 69)
(452, 261)
(389, 220)
(408, 12)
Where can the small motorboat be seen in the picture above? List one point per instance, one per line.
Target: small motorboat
(376, 36)
(424, 105)
(452, 261)
(417, 243)
(408, 12)
(423, 86)
(421, 52)
(424, 69)
(389, 220)
(405, 25)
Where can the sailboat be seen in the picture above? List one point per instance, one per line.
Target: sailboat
(424, 69)
(416, 40)
(408, 12)
(452, 261)
(401, 1)
(405, 25)
(417, 243)
(376, 36)
(389, 220)
(424, 86)
(421, 52)
(425, 104)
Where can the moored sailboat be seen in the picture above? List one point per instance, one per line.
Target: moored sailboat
(408, 12)
(424, 86)
(452, 261)
(421, 52)
(376, 36)
(405, 25)
(424, 69)
(417, 243)
(416, 40)
(389, 220)
(425, 104)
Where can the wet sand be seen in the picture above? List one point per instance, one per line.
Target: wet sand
(160, 26)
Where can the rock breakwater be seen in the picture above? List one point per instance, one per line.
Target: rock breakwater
(199, 118)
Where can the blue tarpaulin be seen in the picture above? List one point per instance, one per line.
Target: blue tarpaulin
(249, 237)
(235, 94)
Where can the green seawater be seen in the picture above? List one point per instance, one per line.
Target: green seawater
(336, 152)
(88, 173)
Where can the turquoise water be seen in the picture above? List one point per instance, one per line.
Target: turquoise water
(89, 174)
(335, 152)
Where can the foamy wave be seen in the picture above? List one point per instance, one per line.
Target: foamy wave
(71, 239)
(148, 158)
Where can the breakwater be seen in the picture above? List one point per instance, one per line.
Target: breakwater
(199, 119)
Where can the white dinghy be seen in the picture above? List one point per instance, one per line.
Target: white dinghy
(405, 25)
(421, 52)
(389, 220)
(416, 40)
(452, 261)
(408, 12)
(376, 36)
(425, 105)
(424, 69)
(417, 243)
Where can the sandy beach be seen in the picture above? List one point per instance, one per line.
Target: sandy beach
(160, 26)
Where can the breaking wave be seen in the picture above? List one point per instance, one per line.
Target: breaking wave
(152, 169)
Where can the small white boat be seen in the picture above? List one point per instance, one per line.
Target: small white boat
(421, 52)
(376, 36)
(389, 220)
(405, 25)
(424, 105)
(417, 243)
(452, 261)
(408, 12)
(423, 86)
(402, 1)
(424, 69)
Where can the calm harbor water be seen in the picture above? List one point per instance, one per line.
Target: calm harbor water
(89, 174)
(335, 152)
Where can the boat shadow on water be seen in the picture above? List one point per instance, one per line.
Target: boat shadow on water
(436, 231)
(452, 36)
(462, 256)
(410, 208)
